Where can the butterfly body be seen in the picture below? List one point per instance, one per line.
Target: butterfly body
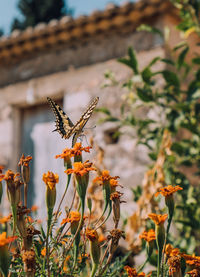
(65, 127)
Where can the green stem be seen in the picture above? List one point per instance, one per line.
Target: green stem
(94, 269)
(50, 213)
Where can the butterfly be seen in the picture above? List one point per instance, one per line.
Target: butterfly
(64, 125)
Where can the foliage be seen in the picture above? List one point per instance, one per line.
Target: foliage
(170, 96)
(36, 11)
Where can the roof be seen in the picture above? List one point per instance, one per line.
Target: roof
(68, 30)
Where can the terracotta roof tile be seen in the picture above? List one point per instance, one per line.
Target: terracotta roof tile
(67, 29)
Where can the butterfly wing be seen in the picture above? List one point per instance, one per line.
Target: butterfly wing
(64, 125)
(78, 127)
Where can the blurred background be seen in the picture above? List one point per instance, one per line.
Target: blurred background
(63, 50)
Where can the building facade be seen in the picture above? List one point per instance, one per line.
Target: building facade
(66, 60)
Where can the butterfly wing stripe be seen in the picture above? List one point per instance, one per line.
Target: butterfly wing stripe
(63, 124)
(86, 115)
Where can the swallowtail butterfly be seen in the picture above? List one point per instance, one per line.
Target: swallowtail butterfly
(64, 125)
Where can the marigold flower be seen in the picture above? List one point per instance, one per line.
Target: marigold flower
(167, 191)
(158, 218)
(10, 175)
(132, 272)
(50, 179)
(80, 168)
(65, 267)
(116, 195)
(75, 151)
(174, 263)
(78, 149)
(92, 234)
(43, 251)
(66, 153)
(170, 251)
(5, 219)
(1, 168)
(24, 161)
(6, 240)
(34, 208)
(194, 273)
(74, 216)
(148, 235)
(105, 176)
(2, 177)
(192, 260)
(29, 219)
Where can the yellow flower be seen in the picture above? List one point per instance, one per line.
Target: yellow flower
(148, 235)
(169, 190)
(80, 169)
(5, 219)
(50, 179)
(158, 218)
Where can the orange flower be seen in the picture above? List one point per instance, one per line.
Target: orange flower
(174, 263)
(75, 151)
(105, 176)
(34, 208)
(158, 218)
(192, 260)
(50, 179)
(80, 168)
(170, 251)
(102, 238)
(24, 161)
(116, 195)
(5, 219)
(92, 234)
(65, 267)
(5, 240)
(43, 251)
(148, 235)
(10, 175)
(29, 219)
(167, 191)
(2, 177)
(1, 168)
(74, 216)
(194, 273)
(132, 272)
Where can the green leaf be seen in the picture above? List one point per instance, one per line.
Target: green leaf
(148, 28)
(196, 60)
(171, 78)
(145, 94)
(146, 74)
(181, 57)
(132, 61)
(179, 45)
(168, 61)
